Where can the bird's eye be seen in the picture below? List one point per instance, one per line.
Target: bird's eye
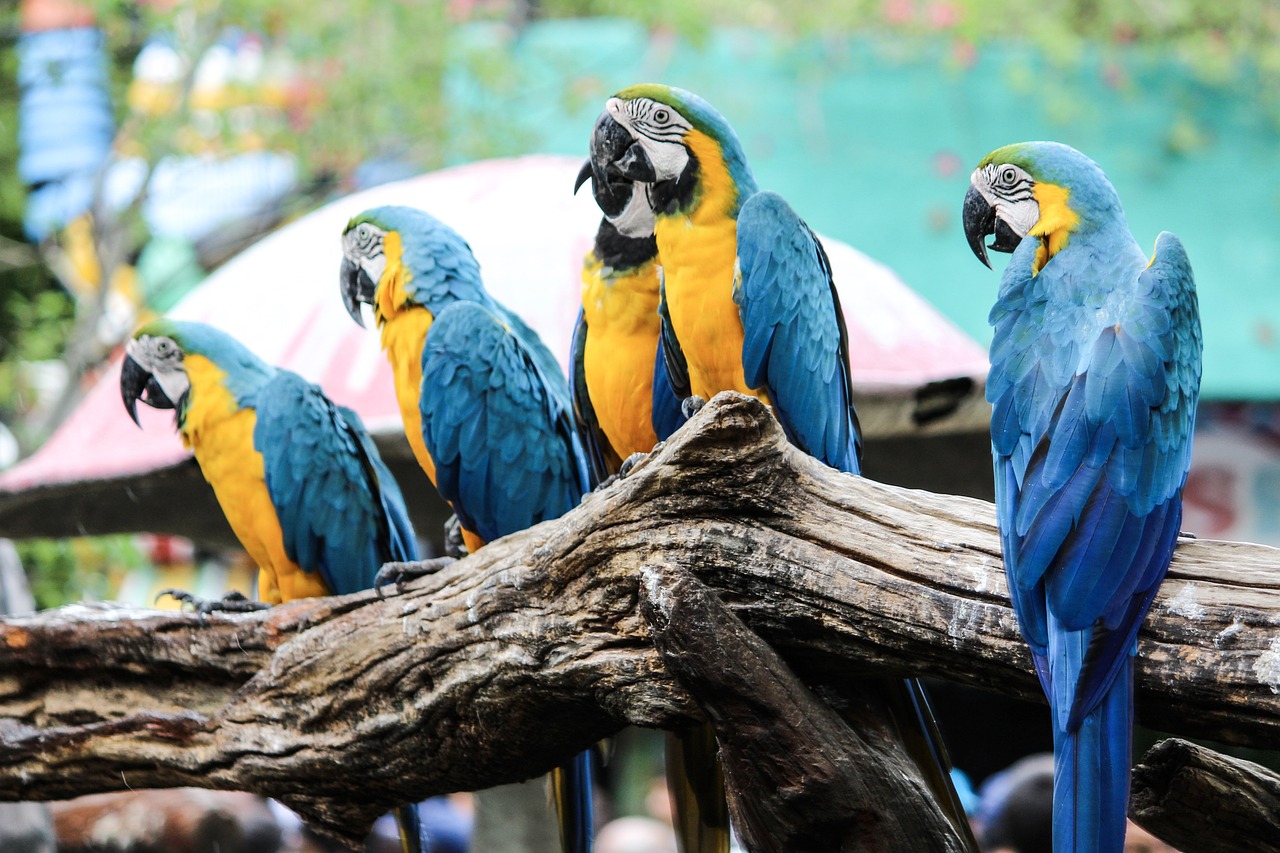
(1008, 176)
(362, 231)
(163, 347)
(661, 116)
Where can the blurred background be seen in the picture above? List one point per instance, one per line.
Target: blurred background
(147, 143)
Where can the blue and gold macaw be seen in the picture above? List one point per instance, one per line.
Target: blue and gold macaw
(748, 304)
(619, 407)
(485, 405)
(298, 478)
(1095, 372)
(622, 402)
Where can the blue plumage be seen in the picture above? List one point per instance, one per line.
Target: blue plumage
(506, 453)
(1095, 369)
(341, 511)
(494, 408)
(795, 343)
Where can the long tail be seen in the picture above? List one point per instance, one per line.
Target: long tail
(695, 781)
(571, 788)
(1091, 774)
(410, 826)
(923, 741)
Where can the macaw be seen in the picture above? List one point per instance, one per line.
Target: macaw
(298, 478)
(622, 403)
(485, 405)
(1095, 373)
(748, 304)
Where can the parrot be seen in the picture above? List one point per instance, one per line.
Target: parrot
(299, 479)
(622, 403)
(485, 405)
(748, 304)
(1095, 375)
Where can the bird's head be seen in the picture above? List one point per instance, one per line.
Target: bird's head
(680, 144)
(162, 355)
(396, 256)
(1044, 189)
(365, 260)
(153, 369)
(623, 201)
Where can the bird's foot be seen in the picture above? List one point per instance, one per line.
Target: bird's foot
(691, 405)
(401, 573)
(232, 602)
(623, 470)
(630, 463)
(1182, 534)
(454, 545)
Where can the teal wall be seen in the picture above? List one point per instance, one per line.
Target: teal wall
(872, 140)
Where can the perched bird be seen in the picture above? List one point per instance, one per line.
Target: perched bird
(623, 402)
(298, 478)
(485, 405)
(1095, 373)
(748, 304)
(616, 353)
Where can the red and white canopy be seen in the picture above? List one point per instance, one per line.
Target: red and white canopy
(280, 297)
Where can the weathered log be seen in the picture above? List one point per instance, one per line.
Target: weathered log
(1200, 800)
(503, 664)
(799, 778)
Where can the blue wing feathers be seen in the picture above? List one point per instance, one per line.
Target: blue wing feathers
(1091, 431)
(341, 512)
(499, 430)
(795, 344)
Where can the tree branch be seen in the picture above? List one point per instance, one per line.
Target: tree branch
(514, 658)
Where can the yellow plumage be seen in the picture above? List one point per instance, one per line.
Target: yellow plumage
(220, 433)
(699, 253)
(621, 311)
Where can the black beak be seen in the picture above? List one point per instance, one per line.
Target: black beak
(134, 381)
(636, 166)
(357, 287)
(610, 142)
(979, 221)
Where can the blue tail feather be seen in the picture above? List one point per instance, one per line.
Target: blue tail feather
(1091, 773)
(571, 786)
(409, 823)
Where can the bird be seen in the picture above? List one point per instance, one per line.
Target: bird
(1095, 375)
(485, 405)
(748, 304)
(298, 477)
(619, 408)
(622, 404)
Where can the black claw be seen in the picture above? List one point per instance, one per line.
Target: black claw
(630, 462)
(232, 602)
(691, 405)
(401, 573)
(1182, 534)
(454, 545)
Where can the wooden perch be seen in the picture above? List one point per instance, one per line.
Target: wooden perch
(506, 662)
(1198, 799)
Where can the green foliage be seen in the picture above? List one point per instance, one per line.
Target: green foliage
(61, 571)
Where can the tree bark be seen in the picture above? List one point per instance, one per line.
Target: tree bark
(501, 665)
(1200, 800)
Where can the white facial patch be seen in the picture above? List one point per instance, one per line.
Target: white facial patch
(659, 129)
(162, 358)
(1010, 190)
(636, 219)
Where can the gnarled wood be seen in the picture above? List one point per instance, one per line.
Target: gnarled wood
(1201, 800)
(508, 661)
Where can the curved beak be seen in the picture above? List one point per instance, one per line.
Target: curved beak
(635, 165)
(610, 142)
(979, 221)
(357, 287)
(135, 381)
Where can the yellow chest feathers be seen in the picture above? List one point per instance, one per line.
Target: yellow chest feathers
(622, 340)
(403, 334)
(220, 434)
(699, 261)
